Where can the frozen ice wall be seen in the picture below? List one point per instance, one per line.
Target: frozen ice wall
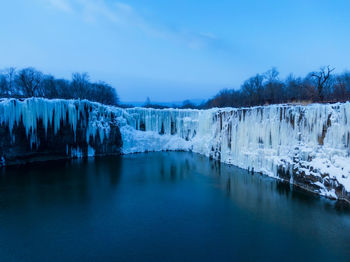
(165, 129)
(282, 141)
(305, 145)
(95, 119)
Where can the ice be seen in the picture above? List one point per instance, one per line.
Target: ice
(313, 139)
(76, 153)
(310, 140)
(53, 113)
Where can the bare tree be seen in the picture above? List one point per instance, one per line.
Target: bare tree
(8, 81)
(80, 85)
(273, 87)
(3, 86)
(341, 87)
(11, 75)
(103, 93)
(253, 90)
(322, 78)
(63, 89)
(28, 81)
(49, 87)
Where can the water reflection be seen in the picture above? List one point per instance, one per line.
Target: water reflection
(64, 182)
(298, 212)
(152, 205)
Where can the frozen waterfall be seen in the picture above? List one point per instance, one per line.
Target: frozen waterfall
(308, 145)
(53, 114)
(298, 140)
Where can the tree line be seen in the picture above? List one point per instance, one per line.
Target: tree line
(29, 82)
(262, 89)
(267, 88)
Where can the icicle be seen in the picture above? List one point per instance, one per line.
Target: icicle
(315, 137)
(52, 113)
(259, 137)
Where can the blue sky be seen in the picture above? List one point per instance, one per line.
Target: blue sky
(173, 50)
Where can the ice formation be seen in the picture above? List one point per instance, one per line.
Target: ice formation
(306, 140)
(310, 141)
(54, 113)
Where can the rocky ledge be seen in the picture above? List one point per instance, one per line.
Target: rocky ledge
(39, 129)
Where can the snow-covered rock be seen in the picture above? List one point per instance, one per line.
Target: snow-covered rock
(308, 146)
(39, 129)
(305, 145)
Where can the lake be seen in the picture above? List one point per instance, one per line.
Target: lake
(167, 206)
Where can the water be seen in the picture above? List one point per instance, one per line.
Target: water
(163, 207)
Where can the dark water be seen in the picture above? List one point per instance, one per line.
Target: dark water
(163, 207)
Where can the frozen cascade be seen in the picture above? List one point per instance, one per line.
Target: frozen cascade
(53, 113)
(306, 145)
(278, 139)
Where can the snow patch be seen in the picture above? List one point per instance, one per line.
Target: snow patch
(310, 141)
(313, 140)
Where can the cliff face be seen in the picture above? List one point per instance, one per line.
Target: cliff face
(308, 146)
(39, 129)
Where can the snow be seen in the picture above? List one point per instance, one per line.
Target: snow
(53, 113)
(312, 140)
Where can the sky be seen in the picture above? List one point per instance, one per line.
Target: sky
(174, 50)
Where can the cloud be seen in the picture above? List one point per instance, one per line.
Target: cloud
(124, 15)
(62, 5)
